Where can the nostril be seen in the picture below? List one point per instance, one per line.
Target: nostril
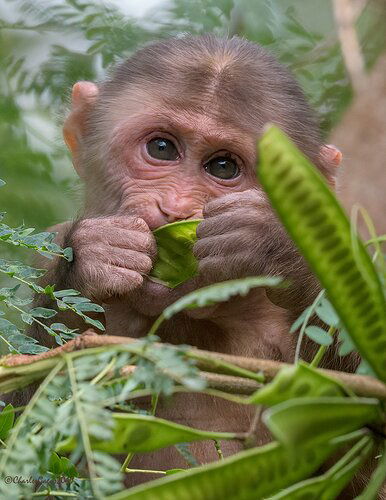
(174, 218)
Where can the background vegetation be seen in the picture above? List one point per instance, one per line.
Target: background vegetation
(46, 46)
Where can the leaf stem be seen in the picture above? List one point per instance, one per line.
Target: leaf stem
(157, 323)
(82, 426)
(305, 323)
(322, 350)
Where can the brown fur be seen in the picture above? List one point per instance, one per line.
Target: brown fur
(210, 95)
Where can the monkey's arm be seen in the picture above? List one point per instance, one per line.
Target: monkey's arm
(56, 275)
(241, 236)
(111, 256)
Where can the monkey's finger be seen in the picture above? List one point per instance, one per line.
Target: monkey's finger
(231, 222)
(253, 197)
(132, 240)
(129, 259)
(129, 222)
(222, 244)
(119, 281)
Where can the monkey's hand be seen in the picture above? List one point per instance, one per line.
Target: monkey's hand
(241, 236)
(111, 256)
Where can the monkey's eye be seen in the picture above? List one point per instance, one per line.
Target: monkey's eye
(162, 149)
(222, 167)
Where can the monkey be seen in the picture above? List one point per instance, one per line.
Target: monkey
(171, 135)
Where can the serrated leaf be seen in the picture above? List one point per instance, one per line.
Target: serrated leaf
(219, 292)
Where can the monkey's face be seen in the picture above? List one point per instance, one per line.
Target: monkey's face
(141, 153)
(167, 166)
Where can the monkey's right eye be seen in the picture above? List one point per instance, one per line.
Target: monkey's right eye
(162, 149)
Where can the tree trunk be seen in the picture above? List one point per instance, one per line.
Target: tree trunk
(361, 136)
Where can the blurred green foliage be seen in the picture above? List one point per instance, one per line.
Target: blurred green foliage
(47, 45)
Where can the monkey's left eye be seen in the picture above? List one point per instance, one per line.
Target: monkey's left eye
(222, 167)
(162, 149)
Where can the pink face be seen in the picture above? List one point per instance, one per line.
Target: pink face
(168, 167)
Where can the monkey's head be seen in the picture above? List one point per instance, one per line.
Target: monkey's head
(177, 124)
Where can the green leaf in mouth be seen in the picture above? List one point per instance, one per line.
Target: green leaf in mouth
(175, 262)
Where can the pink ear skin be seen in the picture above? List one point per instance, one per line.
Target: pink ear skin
(83, 96)
(331, 157)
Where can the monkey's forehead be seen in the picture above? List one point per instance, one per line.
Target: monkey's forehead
(189, 111)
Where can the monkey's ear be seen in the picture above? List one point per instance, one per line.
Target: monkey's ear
(331, 158)
(84, 95)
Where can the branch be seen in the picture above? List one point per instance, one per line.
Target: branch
(345, 13)
(19, 370)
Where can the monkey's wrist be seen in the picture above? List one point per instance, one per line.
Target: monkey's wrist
(68, 275)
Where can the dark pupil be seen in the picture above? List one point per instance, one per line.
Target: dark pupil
(223, 168)
(162, 149)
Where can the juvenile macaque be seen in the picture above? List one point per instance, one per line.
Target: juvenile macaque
(171, 136)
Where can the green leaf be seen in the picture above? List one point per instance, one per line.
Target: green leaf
(318, 335)
(60, 327)
(330, 484)
(327, 313)
(93, 322)
(173, 471)
(296, 381)
(248, 475)
(66, 293)
(175, 260)
(7, 418)
(61, 466)
(42, 312)
(319, 419)
(142, 433)
(27, 318)
(300, 320)
(68, 254)
(321, 230)
(75, 300)
(346, 346)
(219, 292)
(89, 307)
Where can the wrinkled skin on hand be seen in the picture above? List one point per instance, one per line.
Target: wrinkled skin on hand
(240, 236)
(234, 237)
(112, 255)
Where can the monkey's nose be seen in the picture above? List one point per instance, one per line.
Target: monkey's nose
(180, 211)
